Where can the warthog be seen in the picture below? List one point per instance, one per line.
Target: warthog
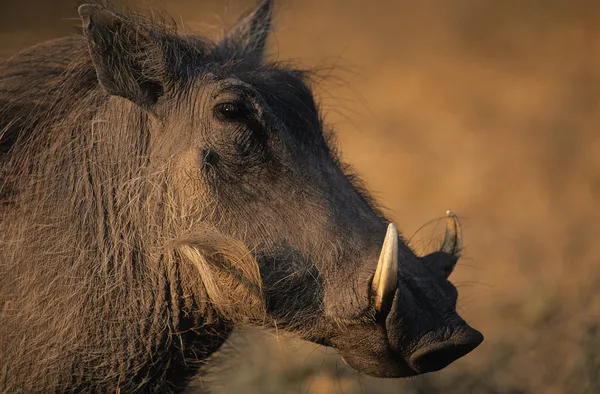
(159, 189)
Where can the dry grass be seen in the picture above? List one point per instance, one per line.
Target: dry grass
(489, 108)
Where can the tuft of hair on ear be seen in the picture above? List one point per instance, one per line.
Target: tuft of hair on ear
(247, 40)
(138, 57)
(228, 273)
(123, 54)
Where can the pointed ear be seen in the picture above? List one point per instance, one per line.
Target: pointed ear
(249, 37)
(128, 62)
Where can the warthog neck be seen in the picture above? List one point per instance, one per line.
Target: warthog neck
(151, 333)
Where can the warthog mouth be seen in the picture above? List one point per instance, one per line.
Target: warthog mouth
(430, 357)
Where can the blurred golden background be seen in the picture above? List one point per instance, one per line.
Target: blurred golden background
(490, 108)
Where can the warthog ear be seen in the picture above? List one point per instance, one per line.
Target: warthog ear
(126, 59)
(247, 40)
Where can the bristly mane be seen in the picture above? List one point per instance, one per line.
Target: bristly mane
(82, 196)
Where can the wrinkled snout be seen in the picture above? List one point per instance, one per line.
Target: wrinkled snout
(437, 355)
(415, 327)
(418, 303)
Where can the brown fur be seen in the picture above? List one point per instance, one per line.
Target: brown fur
(81, 257)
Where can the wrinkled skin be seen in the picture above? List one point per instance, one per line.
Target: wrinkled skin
(422, 332)
(248, 157)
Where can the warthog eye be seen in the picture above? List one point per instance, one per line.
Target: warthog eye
(232, 111)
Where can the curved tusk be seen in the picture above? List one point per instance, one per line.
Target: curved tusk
(385, 281)
(452, 243)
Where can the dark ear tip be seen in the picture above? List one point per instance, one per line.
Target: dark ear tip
(98, 14)
(86, 10)
(267, 4)
(266, 7)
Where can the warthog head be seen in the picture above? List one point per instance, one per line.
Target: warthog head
(249, 161)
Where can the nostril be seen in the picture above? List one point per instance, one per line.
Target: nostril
(439, 355)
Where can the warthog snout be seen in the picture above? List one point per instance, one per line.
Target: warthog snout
(438, 355)
(415, 328)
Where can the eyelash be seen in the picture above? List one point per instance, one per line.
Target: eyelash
(233, 111)
(251, 136)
